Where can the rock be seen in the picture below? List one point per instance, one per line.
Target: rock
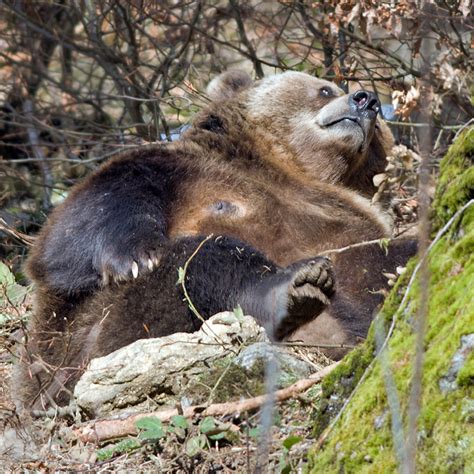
(182, 368)
(380, 420)
(157, 368)
(258, 354)
(448, 382)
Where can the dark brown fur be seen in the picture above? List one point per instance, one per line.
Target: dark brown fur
(282, 194)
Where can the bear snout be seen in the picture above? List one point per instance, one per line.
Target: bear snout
(364, 103)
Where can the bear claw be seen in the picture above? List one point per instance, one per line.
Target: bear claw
(135, 269)
(121, 269)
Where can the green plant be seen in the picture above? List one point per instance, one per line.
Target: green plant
(124, 446)
(285, 460)
(152, 427)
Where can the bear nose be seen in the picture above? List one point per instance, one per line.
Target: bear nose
(365, 100)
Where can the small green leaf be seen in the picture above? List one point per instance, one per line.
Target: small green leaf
(238, 313)
(207, 425)
(291, 441)
(384, 245)
(180, 276)
(16, 293)
(10, 291)
(6, 276)
(179, 421)
(178, 426)
(195, 445)
(123, 446)
(218, 436)
(104, 454)
(152, 428)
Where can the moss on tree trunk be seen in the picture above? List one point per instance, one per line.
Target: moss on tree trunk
(361, 441)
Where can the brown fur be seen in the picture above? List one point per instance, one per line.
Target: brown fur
(262, 164)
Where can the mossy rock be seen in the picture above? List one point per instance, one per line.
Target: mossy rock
(227, 381)
(456, 180)
(362, 441)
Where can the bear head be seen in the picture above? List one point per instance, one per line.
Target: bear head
(332, 136)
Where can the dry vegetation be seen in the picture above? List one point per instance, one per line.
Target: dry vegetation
(80, 80)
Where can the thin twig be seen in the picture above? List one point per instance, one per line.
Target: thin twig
(23, 238)
(182, 279)
(466, 125)
(381, 242)
(421, 316)
(424, 125)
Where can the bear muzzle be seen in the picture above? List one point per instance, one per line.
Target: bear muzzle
(359, 109)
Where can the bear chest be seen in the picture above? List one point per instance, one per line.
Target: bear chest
(286, 226)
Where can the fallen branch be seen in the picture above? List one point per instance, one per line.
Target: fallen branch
(12, 232)
(102, 430)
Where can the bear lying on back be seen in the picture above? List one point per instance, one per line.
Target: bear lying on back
(278, 171)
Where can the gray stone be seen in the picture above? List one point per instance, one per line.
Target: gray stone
(185, 368)
(258, 354)
(448, 382)
(380, 420)
(157, 371)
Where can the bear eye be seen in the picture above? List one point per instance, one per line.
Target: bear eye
(213, 123)
(325, 92)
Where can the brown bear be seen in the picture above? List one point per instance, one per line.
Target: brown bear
(277, 171)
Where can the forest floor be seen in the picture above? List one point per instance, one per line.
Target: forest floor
(47, 444)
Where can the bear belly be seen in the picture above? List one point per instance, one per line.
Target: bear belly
(284, 229)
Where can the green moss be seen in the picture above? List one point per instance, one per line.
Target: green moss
(362, 440)
(228, 381)
(456, 180)
(340, 383)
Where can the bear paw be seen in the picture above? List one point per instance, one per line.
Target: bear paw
(308, 292)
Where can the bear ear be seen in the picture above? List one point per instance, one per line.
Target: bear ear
(228, 84)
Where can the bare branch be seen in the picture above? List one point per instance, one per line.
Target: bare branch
(102, 430)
